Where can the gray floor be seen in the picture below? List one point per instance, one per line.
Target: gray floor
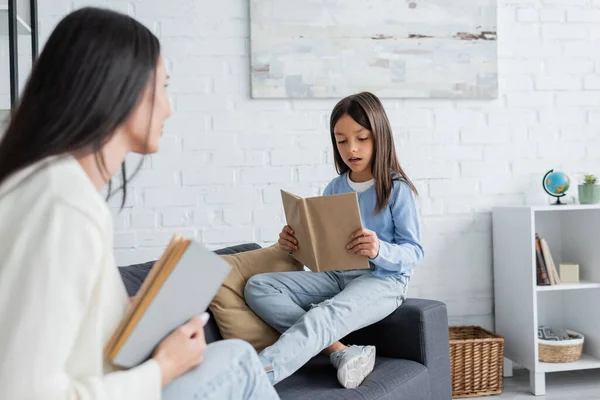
(573, 385)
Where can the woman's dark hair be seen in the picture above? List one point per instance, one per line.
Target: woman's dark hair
(88, 79)
(366, 109)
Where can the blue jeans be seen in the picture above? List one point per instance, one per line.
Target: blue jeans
(313, 310)
(230, 371)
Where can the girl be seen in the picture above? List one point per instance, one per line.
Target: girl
(315, 310)
(96, 93)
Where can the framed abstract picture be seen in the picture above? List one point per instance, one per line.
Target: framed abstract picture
(393, 48)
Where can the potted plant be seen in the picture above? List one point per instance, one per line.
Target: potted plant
(589, 191)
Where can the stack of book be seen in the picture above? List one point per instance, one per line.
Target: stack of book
(546, 271)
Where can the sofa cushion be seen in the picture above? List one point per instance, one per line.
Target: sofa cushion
(233, 316)
(391, 379)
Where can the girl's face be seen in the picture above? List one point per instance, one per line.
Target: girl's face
(355, 145)
(145, 125)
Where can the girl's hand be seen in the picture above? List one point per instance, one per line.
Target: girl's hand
(287, 241)
(365, 243)
(182, 350)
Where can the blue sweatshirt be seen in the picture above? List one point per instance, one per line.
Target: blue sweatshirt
(397, 226)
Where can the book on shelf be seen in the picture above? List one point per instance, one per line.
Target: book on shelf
(542, 271)
(180, 285)
(546, 272)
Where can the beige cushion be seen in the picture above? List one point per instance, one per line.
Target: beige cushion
(233, 316)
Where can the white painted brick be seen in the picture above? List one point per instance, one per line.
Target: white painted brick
(182, 84)
(142, 219)
(445, 119)
(236, 122)
(552, 15)
(578, 98)
(313, 174)
(207, 176)
(431, 206)
(286, 122)
(264, 142)
(209, 142)
(516, 83)
(194, 102)
(531, 49)
(482, 136)
(518, 31)
(583, 15)
(296, 157)
(555, 150)
(232, 195)
(520, 66)
(186, 160)
(185, 65)
(591, 82)
(570, 66)
(453, 188)
(181, 123)
(228, 235)
(266, 175)
(237, 216)
(158, 197)
(509, 117)
(509, 151)
(228, 158)
(121, 219)
(268, 216)
(533, 100)
(564, 31)
(558, 82)
(432, 170)
(436, 136)
(527, 15)
(124, 240)
(412, 118)
(269, 234)
(149, 178)
(562, 117)
(504, 185)
(484, 169)
(156, 8)
(256, 158)
(322, 141)
(577, 48)
(525, 167)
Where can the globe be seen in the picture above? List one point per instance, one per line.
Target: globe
(556, 184)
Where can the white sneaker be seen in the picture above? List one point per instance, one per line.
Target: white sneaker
(354, 364)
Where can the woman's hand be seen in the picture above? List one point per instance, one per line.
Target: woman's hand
(182, 350)
(365, 243)
(287, 241)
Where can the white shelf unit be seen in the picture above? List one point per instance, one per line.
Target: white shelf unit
(573, 235)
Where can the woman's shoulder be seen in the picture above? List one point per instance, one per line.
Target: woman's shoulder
(51, 183)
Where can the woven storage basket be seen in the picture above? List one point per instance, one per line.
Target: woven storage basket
(561, 351)
(476, 358)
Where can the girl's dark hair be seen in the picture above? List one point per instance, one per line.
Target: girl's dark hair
(366, 109)
(90, 76)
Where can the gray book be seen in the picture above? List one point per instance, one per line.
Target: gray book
(180, 286)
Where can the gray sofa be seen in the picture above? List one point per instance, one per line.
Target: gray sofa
(412, 352)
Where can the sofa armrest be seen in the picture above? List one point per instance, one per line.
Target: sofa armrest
(417, 331)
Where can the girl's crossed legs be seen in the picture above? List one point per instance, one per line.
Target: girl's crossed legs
(314, 310)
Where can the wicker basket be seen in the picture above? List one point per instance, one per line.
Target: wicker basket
(561, 351)
(476, 358)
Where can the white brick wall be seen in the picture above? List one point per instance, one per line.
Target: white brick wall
(225, 157)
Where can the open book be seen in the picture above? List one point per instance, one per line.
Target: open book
(322, 226)
(180, 286)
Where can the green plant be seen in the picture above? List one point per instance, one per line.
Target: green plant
(589, 179)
